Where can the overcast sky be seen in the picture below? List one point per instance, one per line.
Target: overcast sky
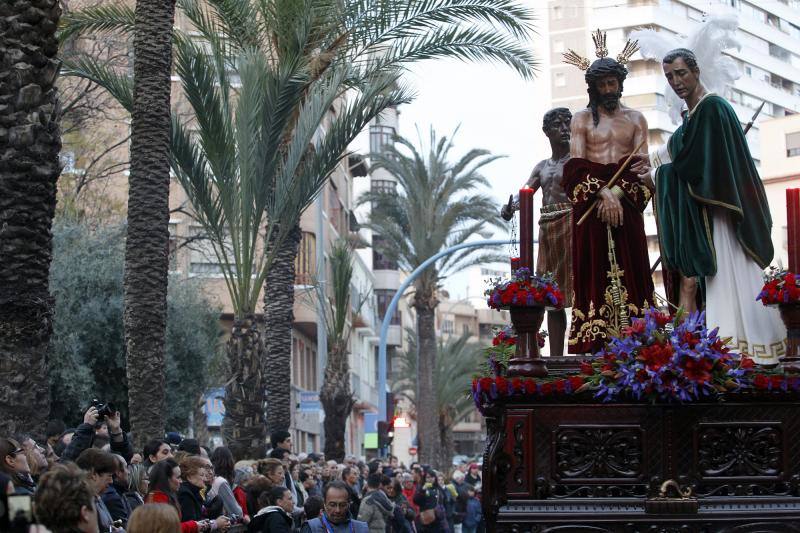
(495, 109)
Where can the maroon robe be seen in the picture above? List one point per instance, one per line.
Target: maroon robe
(595, 313)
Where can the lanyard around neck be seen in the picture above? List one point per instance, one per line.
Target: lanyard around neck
(329, 527)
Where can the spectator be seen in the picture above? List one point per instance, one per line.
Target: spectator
(165, 480)
(85, 435)
(64, 501)
(100, 466)
(155, 451)
(409, 490)
(309, 482)
(350, 476)
(473, 476)
(36, 455)
(427, 498)
(54, 430)
(154, 518)
(284, 456)
(114, 496)
(449, 499)
(299, 490)
(137, 485)
(461, 499)
(190, 446)
(376, 509)
(336, 517)
(14, 464)
(189, 498)
(313, 507)
(222, 461)
(240, 478)
(474, 513)
(255, 487)
(281, 439)
(275, 513)
(403, 515)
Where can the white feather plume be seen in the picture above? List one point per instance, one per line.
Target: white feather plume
(707, 40)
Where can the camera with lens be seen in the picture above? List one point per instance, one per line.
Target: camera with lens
(103, 409)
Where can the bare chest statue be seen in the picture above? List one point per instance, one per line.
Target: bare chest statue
(550, 175)
(612, 139)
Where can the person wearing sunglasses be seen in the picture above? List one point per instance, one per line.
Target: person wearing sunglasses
(14, 464)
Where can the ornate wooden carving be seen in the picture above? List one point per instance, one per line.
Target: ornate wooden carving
(588, 467)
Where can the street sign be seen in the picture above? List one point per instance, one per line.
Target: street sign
(412, 450)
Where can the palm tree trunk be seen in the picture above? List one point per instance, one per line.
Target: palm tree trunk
(278, 318)
(446, 438)
(147, 242)
(243, 427)
(427, 404)
(337, 401)
(29, 167)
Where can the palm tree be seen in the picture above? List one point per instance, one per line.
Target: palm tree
(261, 77)
(336, 396)
(435, 207)
(456, 361)
(147, 242)
(29, 168)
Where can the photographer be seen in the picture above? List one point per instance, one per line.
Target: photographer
(85, 433)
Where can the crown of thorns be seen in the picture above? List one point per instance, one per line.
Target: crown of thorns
(601, 50)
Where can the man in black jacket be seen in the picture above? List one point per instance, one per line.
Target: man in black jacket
(114, 495)
(84, 437)
(277, 517)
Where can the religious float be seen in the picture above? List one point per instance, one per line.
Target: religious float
(666, 429)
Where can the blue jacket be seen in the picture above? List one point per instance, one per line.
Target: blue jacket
(474, 513)
(316, 526)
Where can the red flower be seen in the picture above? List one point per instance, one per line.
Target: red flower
(561, 385)
(690, 339)
(517, 384)
(661, 318)
(635, 328)
(587, 369)
(776, 381)
(502, 385)
(697, 370)
(760, 381)
(747, 363)
(656, 356)
(546, 388)
(576, 382)
(530, 386)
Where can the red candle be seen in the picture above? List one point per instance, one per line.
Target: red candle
(526, 228)
(514, 264)
(793, 227)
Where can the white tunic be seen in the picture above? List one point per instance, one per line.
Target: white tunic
(731, 303)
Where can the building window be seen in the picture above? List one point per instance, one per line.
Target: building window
(379, 260)
(561, 79)
(337, 215)
(465, 329)
(383, 298)
(379, 138)
(448, 326)
(383, 186)
(558, 13)
(793, 144)
(305, 264)
(203, 260)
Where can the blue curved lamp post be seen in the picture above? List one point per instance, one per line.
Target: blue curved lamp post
(387, 318)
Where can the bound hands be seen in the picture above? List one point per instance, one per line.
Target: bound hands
(609, 208)
(507, 212)
(640, 165)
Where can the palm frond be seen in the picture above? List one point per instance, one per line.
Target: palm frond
(119, 86)
(103, 18)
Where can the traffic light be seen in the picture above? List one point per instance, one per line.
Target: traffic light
(385, 434)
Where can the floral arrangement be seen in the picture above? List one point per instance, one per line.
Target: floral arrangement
(666, 358)
(524, 290)
(503, 348)
(780, 287)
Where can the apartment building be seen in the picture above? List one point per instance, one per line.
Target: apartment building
(780, 170)
(769, 60)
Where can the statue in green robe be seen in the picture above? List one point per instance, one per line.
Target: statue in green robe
(713, 216)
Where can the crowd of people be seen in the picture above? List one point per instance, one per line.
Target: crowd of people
(90, 479)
